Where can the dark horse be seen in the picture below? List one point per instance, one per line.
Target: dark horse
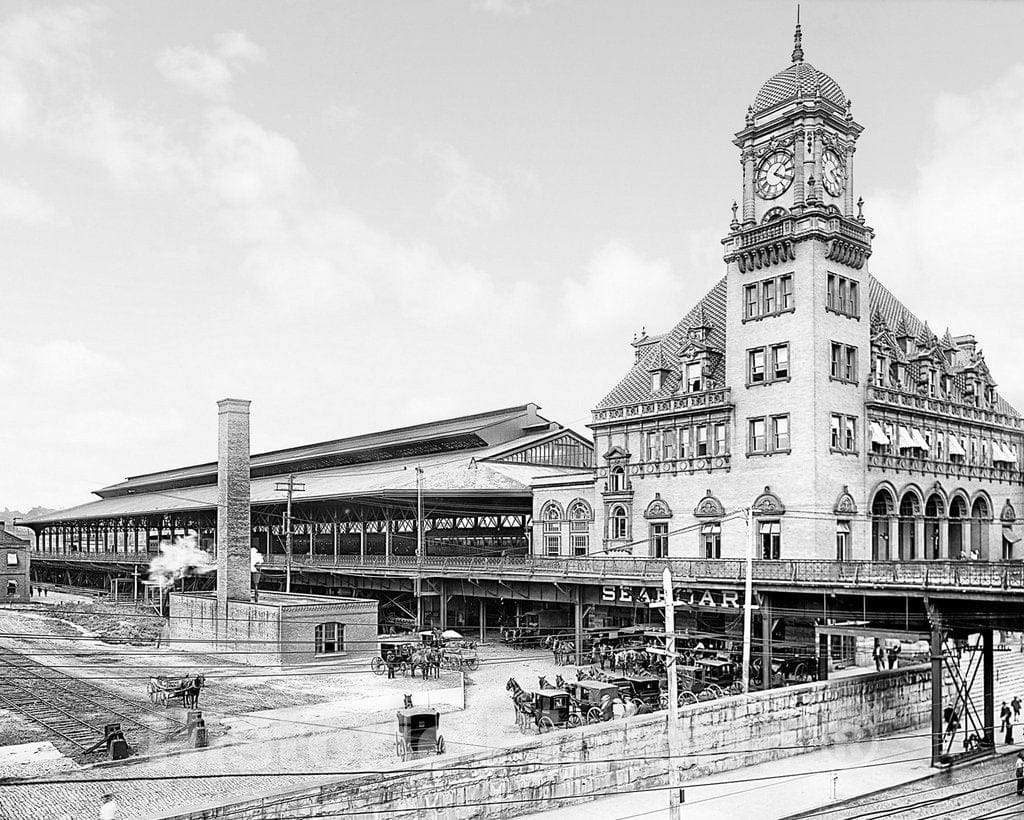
(190, 695)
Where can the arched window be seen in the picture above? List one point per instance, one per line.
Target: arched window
(617, 480)
(957, 514)
(882, 508)
(618, 522)
(981, 518)
(934, 510)
(910, 512)
(581, 516)
(329, 638)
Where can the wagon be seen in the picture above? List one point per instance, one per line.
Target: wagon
(642, 690)
(417, 734)
(553, 707)
(460, 656)
(162, 688)
(588, 696)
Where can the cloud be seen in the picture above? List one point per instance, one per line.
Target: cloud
(209, 75)
(67, 361)
(621, 289)
(956, 226)
(471, 198)
(510, 8)
(22, 203)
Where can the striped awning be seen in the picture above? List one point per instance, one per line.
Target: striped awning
(955, 447)
(919, 440)
(906, 439)
(878, 435)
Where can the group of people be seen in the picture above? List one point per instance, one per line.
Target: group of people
(883, 655)
(1008, 715)
(973, 555)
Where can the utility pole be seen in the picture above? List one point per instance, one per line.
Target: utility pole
(419, 546)
(669, 652)
(748, 603)
(290, 487)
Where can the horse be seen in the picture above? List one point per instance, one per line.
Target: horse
(407, 701)
(522, 701)
(560, 682)
(542, 683)
(190, 697)
(418, 660)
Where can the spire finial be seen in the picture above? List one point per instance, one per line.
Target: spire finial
(798, 51)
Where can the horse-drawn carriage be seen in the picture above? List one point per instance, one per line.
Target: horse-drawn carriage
(593, 699)
(402, 650)
(553, 708)
(162, 688)
(643, 691)
(417, 734)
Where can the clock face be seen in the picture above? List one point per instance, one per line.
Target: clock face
(833, 172)
(774, 174)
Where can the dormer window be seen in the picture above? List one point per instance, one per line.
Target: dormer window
(694, 377)
(656, 381)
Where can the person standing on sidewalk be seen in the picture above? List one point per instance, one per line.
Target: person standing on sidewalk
(878, 656)
(1018, 771)
(1015, 703)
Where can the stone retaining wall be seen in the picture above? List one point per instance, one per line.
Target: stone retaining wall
(624, 755)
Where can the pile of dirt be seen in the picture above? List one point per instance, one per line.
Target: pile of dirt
(114, 623)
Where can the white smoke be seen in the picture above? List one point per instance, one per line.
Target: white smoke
(179, 560)
(255, 559)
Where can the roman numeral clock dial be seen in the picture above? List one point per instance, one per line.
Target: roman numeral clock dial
(774, 174)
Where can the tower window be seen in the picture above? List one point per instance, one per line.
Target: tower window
(769, 297)
(843, 296)
(843, 363)
(768, 364)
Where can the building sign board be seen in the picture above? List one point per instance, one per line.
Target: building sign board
(697, 598)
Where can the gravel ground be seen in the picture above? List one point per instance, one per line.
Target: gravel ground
(305, 722)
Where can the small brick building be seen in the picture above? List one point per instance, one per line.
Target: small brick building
(281, 629)
(14, 567)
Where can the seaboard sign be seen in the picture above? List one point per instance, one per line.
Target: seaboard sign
(697, 598)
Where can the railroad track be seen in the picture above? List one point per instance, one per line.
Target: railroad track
(72, 708)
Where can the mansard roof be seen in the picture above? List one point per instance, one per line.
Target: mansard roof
(890, 320)
(637, 385)
(899, 319)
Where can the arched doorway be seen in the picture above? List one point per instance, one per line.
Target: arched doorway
(934, 508)
(910, 512)
(883, 508)
(957, 514)
(981, 519)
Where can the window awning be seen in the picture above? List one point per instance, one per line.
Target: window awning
(878, 435)
(770, 528)
(711, 529)
(906, 440)
(1010, 535)
(842, 526)
(955, 447)
(919, 440)
(1000, 453)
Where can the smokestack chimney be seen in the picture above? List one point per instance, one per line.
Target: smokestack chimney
(233, 519)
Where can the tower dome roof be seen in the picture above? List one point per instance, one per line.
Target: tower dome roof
(799, 80)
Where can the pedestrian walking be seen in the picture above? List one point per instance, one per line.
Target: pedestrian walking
(109, 810)
(1018, 771)
(390, 661)
(1007, 723)
(878, 655)
(1015, 703)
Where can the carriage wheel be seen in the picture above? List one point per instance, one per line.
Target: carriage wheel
(593, 715)
(686, 698)
(735, 689)
(377, 665)
(545, 724)
(716, 690)
(440, 744)
(638, 703)
(574, 721)
(800, 673)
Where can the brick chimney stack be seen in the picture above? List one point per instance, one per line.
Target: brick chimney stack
(233, 518)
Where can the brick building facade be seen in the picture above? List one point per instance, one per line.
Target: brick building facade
(799, 389)
(14, 567)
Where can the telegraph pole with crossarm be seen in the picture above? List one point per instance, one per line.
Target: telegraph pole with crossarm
(670, 604)
(290, 486)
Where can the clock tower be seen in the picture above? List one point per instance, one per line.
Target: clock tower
(797, 315)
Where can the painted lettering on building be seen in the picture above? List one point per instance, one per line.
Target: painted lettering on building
(700, 598)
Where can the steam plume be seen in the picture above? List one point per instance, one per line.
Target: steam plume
(179, 560)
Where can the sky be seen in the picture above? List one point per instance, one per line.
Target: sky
(364, 215)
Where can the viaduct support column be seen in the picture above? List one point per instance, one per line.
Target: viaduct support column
(988, 681)
(483, 619)
(578, 607)
(938, 729)
(442, 600)
(766, 642)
